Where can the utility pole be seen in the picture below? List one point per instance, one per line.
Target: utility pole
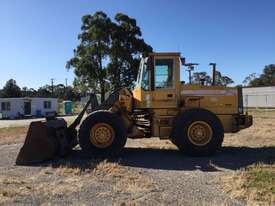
(190, 69)
(213, 73)
(66, 82)
(66, 85)
(52, 83)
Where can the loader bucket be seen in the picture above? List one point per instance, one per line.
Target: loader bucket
(40, 144)
(49, 139)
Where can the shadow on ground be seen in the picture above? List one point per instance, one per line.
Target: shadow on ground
(232, 158)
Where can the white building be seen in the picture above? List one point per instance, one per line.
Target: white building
(259, 97)
(26, 106)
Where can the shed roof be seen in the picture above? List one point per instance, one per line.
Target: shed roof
(259, 90)
(27, 98)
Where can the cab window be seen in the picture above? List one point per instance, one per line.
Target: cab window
(164, 73)
(145, 78)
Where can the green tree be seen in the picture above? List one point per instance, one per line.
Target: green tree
(108, 54)
(59, 91)
(127, 46)
(249, 78)
(44, 91)
(90, 55)
(11, 89)
(220, 79)
(198, 76)
(65, 93)
(223, 80)
(28, 92)
(267, 78)
(83, 87)
(70, 94)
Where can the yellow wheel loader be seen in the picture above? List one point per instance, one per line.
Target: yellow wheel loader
(193, 117)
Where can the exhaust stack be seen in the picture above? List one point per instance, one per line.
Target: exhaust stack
(213, 73)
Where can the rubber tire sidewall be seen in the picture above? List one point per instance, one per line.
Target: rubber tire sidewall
(185, 119)
(113, 120)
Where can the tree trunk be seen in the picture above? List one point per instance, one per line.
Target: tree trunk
(101, 81)
(117, 82)
(102, 91)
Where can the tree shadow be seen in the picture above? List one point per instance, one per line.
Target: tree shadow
(232, 158)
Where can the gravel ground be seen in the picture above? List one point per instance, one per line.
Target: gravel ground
(149, 172)
(141, 176)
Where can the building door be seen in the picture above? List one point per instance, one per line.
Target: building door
(27, 108)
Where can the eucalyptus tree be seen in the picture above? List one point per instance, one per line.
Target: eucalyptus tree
(92, 52)
(108, 54)
(127, 46)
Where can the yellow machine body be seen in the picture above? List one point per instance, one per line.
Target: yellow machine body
(194, 117)
(166, 103)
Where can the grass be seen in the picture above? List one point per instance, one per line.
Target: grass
(267, 113)
(109, 168)
(260, 134)
(125, 181)
(156, 143)
(11, 135)
(262, 178)
(11, 181)
(12, 187)
(255, 184)
(68, 171)
(134, 183)
(8, 193)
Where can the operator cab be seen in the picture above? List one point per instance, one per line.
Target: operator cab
(158, 81)
(159, 71)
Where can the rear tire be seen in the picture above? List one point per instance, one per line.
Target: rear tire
(198, 132)
(102, 132)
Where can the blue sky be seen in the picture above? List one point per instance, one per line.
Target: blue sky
(37, 37)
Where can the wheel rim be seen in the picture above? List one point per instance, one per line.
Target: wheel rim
(102, 135)
(200, 133)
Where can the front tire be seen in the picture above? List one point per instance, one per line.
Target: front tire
(102, 132)
(198, 132)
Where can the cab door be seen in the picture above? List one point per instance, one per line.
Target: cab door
(164, 93)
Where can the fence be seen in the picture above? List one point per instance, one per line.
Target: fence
(259, 101)
(259, 97)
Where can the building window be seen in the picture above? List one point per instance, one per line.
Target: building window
(6, 106)
(164, 73)
(47, 104)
